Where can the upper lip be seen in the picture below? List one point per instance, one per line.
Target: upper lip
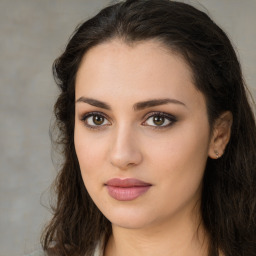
(126, 183)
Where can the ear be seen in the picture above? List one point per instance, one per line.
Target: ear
(220, 135)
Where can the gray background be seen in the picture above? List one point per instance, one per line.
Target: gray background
(32, 34)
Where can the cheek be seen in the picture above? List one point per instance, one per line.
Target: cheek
(178, 172)
(90, 154)
(185, 147)
(181, 157)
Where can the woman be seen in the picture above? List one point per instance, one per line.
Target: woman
(159, 140)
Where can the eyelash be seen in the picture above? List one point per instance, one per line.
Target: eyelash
(172, 119)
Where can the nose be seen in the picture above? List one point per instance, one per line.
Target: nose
(125, 150)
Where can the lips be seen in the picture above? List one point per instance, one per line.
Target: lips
(126, 189)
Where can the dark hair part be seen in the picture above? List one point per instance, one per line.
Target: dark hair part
(228, 205)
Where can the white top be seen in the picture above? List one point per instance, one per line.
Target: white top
(98, 252)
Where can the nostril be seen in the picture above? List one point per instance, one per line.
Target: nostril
(123, 163)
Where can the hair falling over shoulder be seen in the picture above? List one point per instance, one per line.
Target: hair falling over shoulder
(228, 205)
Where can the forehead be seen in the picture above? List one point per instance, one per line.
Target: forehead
(143, 70)
(139, 55)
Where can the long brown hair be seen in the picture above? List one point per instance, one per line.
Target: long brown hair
(228, 205)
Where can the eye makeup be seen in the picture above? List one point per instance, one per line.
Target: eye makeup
(94, 117)
(156, 120)
(163, 119)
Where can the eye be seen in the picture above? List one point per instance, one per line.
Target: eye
(95, 120)
(160, 120)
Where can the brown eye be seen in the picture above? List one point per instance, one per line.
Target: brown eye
(158, 120)
(98, 120)
(95, 120)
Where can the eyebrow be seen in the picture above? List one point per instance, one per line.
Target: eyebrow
(137, 106)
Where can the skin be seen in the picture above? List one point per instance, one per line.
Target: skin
(127, 144)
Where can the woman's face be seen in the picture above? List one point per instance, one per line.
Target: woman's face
(142, 136)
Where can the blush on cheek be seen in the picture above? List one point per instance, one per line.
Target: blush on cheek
(88, 158)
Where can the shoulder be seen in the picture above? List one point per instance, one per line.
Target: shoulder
(98, 251)
(37, 253)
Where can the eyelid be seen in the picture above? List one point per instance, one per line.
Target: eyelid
(170, 117)
(85, 116)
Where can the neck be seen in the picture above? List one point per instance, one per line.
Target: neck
(174, 237)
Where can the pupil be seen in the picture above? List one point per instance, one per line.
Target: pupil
(158, 120)
(98, 120)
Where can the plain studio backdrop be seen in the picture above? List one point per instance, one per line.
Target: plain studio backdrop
(32, 34)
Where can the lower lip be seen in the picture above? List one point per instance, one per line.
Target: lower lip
(127, 194)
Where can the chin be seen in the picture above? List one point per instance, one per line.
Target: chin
(129, 223)
(129, 219)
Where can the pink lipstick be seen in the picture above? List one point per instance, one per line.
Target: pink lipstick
(126, 189)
